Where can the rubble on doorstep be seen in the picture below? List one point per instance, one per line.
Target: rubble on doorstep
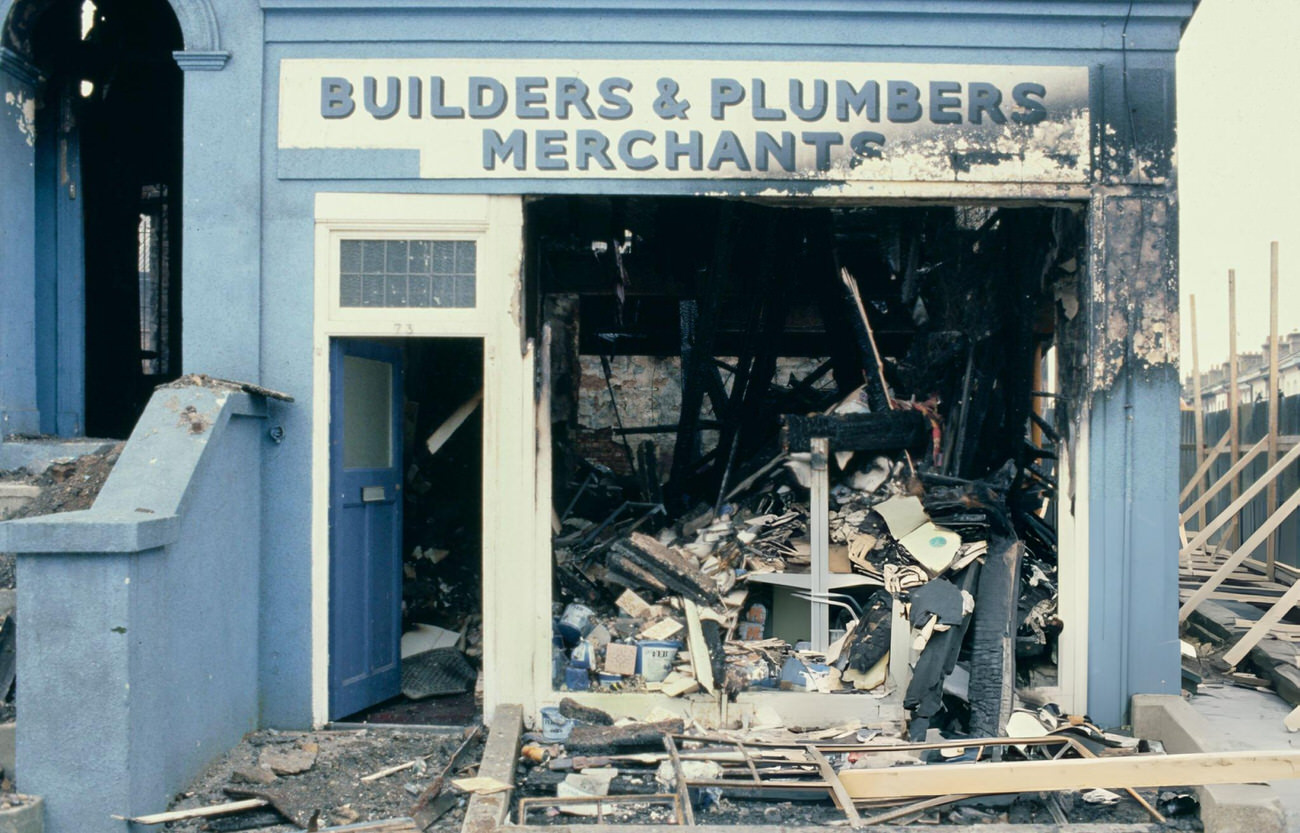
(581, 762)
(936, 464)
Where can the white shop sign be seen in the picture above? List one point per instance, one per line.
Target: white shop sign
(697, 119)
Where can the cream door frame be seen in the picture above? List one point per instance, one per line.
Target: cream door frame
(516, 617)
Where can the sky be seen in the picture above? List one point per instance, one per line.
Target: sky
(1238, 175)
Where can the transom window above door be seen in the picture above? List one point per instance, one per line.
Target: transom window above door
(407, 273)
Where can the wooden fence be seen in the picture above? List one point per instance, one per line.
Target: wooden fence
(1253, 419)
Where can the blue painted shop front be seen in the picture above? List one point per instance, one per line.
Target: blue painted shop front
(267, 193)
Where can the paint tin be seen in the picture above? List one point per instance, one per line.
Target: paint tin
(583, 655)
(577, 679)
(574, 622)
(555, 726)
(655, 659)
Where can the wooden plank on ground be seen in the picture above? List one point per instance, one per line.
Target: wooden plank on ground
(700, 662)
(1135, 771)
(199, 812)
(486, 812)
(841, 795)
(398, 825)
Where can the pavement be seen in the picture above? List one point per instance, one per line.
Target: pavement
(1251, 719)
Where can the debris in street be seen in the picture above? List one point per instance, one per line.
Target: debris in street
(334, 787)
(289, 759)
(848, 769)
(588, 739)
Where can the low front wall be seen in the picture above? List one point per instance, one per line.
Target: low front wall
(139, 617)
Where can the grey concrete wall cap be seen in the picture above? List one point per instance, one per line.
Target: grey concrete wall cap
(88, 532)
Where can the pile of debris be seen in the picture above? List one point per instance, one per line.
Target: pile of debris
(693, 611)
(583, 763)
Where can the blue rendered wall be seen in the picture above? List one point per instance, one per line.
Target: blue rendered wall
(19, 412)
(1133, 465)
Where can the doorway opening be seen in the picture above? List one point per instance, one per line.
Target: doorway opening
(406, 519)
(107, 249)
(702, 351)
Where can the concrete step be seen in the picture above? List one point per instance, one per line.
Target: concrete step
(14, 496)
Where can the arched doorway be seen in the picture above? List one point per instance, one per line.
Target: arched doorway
(98, 260)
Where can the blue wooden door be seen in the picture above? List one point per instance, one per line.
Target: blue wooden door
(366, 405)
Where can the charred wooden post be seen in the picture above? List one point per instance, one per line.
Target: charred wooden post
(697, 361)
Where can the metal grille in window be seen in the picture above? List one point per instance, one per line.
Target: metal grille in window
(153, 266)
(407, 273)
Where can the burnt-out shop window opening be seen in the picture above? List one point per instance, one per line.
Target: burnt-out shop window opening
(714, 366)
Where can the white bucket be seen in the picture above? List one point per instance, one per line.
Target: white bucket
(655, 659)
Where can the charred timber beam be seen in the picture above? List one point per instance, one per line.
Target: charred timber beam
(888, 431)
(642, 557)
(873, 372)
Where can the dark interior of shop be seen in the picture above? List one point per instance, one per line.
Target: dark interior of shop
(693, 328)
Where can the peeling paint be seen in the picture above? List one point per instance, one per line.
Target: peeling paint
(23, 108)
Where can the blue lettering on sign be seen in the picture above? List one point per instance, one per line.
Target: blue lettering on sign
(494, 148)
(816, 101)
(393, 98)
(336, 98)
(487, 98)
(692, 149)
(636, 163)
(766, 146)
(811, 112)
(592, 144)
